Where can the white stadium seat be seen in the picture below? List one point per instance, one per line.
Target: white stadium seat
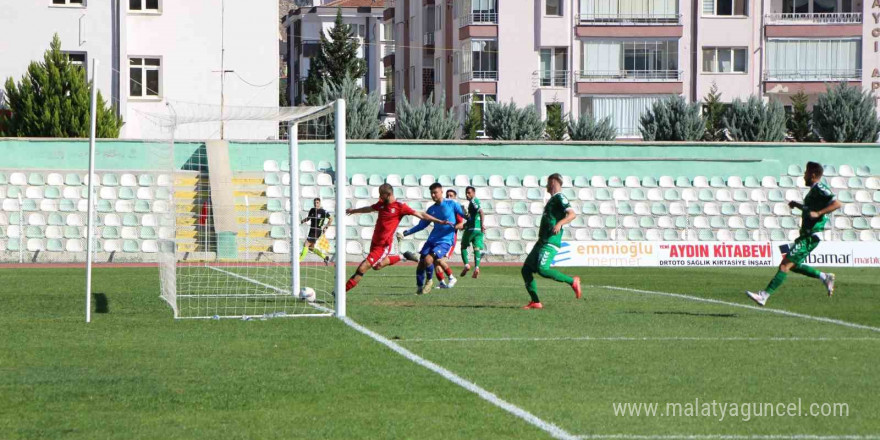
(496, 181)
(128, 180)
(426, 180)
(734, 182)
(769, 182)
(307, 166)
(271, 166)
(530, 182)
(55, 179)
(597, 182)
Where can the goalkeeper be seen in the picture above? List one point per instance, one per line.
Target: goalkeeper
(320, 221)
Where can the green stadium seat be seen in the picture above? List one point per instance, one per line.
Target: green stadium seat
(637, 194)
(717, 182)
(751, 182)
(649, 182)
(610, 222)
(695, 208)
(728, 209)
(36, 179)
(446, 181)
(130, 246)
(635, 235)
(147, 233)
(671, 195)
(845, 197)
(366, 219)
(753, 223)
(279, 232)
(741, 195)
(493, 234)
(507, 221)
(717, 222)
(530, 234)
(861, 223)
(830, 171)
(849, 235)
(581, 182)
(410, 180)
(795, 170)
(479, 181)
(72, 232)
(706, 235)
(13, 245)
(408, 246)
(647, 222)
(55, 219)
(706, 195)
(110, 179)
(600, 235)
(500, 194)
(775, 195)
(787, 182)
(163, 194)
(864, 171)
(362, 192)
(855, 183)
(520, 208)
(142, 206)
(29, 205)
(145, 180)
(126, 193)
(3, 179)
(683, 182)
(659, 209)
(305, 179)
(589, 208)
(624, 208)
(375, 180)
(615, 182)
(742, 235)
(54, 245)
(788, 223)
(671, 235)
(869, 210)
(603, 194)
(512, 182)
(52, 192)
(398, 191)
(13, 192)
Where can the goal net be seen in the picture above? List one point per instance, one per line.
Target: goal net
(251, 229)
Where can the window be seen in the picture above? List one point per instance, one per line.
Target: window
(477, 11)
(480, 100)
(484, 59)
(143, 5)
(629, 11)
(78, 59)
(725, 60)
(814, 59)
(624, 111)
(145, 77)
(388, 31)
(726, 7)
(554, 67)
(68, 3)
(553, 7)
(624, 59)
(817, 6)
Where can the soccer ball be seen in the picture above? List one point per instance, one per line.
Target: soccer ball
(307, 294)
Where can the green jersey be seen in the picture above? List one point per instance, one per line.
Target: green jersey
(554, 211)
(473, 215)
(817, 199)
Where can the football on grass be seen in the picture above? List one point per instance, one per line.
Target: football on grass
(307, 294)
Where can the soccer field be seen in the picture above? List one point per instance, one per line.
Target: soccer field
(136, 373)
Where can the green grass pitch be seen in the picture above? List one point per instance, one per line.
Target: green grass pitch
(136, 373)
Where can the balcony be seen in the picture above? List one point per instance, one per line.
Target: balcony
(827, 75)
(630, 75)
(388, 12)
(428, 40)
(630, 19)
(479, 18)
(552, 78)
(480, 75)
(629, 82)
(388, 50)
(813, 25)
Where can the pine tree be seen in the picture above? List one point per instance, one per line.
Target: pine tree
(754, 121)
(362, 109)
(713, 113)
(53, 100)
(474, 121)
(509, 123)
(556, 127)
(846, 114)
(800, 122)
(425, 121)
(336, 58)
(587, 128)
(672, 119)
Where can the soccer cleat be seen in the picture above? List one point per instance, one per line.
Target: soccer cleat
(464, 271)
(442, 285)
(326, 261)
(410, 256)
(760, 297)
(476, 273)
(428, 285)
(829, 283)
(576, 286)
(452, 281)
(419, 290)
(533, 305)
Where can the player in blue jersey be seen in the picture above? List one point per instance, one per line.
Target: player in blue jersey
(436, 249)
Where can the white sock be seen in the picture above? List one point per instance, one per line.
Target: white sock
(823, 276)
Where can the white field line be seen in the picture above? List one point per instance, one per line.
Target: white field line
(553, 430)
(268, 286)
(645, 338)
(727, 437)
(746, 306)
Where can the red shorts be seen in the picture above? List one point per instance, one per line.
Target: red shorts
(451, 249)
(378, 253)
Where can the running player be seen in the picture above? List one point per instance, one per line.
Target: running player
(320, 221)
(391, 212)
(473, 232)
(818, 203)
(557, 213)
(436, 249)
(447, 271)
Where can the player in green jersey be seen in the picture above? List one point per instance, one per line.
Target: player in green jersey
(818, 203)
(557, 213)
(473, 232)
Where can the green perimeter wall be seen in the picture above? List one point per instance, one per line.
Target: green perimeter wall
(456, 157)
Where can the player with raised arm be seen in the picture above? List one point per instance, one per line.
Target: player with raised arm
(390, 212)
(320, 221)
(436, 249)
(818, 203)
(557, 213)
(473, 232)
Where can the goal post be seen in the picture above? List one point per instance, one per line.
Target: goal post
(233, 234)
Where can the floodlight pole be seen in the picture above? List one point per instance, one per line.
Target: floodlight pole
(93, 116)
(293, 146)
(341, 180)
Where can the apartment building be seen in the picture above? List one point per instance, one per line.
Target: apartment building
(613, 58)
(305, 24)
(153, 52)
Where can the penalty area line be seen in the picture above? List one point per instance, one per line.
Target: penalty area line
(644, 338)
(745, 306)
(726, 437)
(550, 428)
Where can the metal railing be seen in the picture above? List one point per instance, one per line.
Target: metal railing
(390, 3)
(480, 18)
(552, 78)
(646, 19)
(630, 75)
(480, 75)
(812, 75)
(428, 38)
(816, 18)
(388, 48)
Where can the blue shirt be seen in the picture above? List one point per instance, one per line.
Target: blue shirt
(445, 210)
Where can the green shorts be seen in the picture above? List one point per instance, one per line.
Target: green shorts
(472, 238)
(541, 257)
(801, 248)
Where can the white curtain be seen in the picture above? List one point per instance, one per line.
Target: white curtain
(600, 8)
(813, 59)
(708, 7)
(624, 111)
(602, 56)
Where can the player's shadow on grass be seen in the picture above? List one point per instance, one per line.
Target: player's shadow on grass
(702, 315)
(102, 304)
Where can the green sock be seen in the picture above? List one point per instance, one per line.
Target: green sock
(302, 255)
(776, 282)
(464, 257)
(531, 285)
(477, 256)
(555, 275)
(803, 269)
(318, 252)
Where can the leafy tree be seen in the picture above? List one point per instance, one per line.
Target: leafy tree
(672, 119)
(846, 114)
(474, 121)
(800, 121)
(509, 123)
(556, 129)
(587, 128)
(713, 113)
(336, 58)
(53, 100)
(362, 109)
(755, 121)
(425, 121)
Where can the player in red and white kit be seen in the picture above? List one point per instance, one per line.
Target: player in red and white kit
(390, 213)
